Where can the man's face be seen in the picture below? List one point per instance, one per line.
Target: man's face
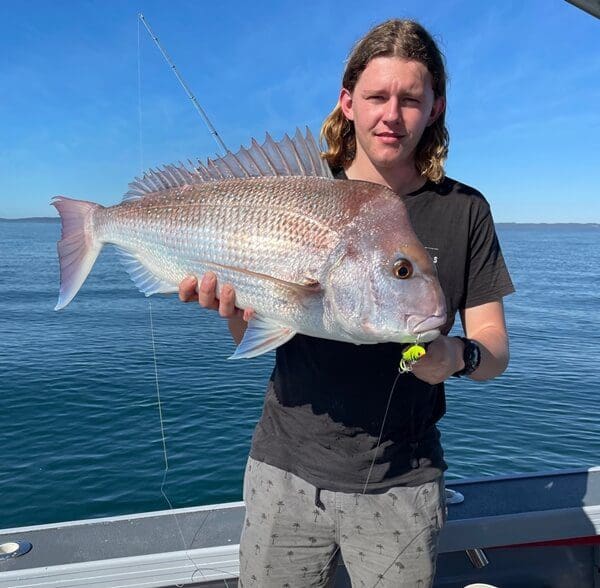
(391, 105)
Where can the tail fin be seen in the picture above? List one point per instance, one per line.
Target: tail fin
(77, 249)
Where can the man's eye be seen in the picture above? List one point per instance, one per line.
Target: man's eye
(376, 98)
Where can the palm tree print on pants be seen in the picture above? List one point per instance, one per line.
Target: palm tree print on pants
(426, 495)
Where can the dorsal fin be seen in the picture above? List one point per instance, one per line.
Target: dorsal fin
(299, 156)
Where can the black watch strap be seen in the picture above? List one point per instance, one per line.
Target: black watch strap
(471, 357)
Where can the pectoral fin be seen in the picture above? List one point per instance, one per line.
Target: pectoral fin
(261, 336)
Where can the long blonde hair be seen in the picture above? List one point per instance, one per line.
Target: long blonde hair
(405, 39)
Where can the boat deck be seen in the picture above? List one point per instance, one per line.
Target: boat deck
(198, 546)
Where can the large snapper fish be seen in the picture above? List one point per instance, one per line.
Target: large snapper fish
(336, 259)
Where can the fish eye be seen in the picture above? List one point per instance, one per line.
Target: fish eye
(403, 269)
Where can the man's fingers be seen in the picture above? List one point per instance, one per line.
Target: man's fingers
(248, 314)
(207, 292)
(187, 289)
(227, 301)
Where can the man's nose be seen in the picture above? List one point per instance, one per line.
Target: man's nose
(393, 113)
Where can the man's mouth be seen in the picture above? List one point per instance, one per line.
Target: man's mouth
(389, 137)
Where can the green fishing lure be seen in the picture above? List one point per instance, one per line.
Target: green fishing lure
(410, 355)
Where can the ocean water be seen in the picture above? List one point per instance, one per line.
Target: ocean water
(79, 418)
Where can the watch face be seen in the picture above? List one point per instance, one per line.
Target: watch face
(472, 357)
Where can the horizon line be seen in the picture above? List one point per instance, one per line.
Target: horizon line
(497, 223)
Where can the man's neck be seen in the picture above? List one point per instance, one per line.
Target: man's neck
(401, 179)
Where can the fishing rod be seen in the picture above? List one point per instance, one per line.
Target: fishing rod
(187, 90)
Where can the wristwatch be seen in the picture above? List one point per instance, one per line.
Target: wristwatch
(471, 357)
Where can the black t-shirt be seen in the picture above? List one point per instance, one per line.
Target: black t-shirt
(326, 399)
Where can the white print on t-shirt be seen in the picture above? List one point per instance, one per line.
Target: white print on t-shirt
(433, 252)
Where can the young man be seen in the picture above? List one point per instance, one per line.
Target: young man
(346, 460)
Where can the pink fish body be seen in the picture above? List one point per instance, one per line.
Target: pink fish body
(330, 258)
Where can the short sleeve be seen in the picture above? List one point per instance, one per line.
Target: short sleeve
(487, 278)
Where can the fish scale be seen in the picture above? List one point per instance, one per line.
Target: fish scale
(240, 227)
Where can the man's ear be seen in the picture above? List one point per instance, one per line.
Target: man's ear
(345, 101)
(439, 105)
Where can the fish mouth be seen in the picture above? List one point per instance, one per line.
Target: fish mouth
(422, 326)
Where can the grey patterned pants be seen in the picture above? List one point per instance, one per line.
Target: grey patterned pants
(293, 534)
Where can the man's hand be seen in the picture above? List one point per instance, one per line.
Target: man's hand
(444, 357)
(485, 324)
(206, 296)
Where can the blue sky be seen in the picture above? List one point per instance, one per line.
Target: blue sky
(523, 112)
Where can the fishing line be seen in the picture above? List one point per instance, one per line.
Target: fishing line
(400, 553)
(387, 408)
(410, 355)
(155, 361)
(160, 411)
(166, 460)
(139, 84)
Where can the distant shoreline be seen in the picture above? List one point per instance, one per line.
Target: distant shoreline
(588, 226)
(31, 219)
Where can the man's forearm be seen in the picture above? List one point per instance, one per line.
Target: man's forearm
(486, 325)
(494, 353)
